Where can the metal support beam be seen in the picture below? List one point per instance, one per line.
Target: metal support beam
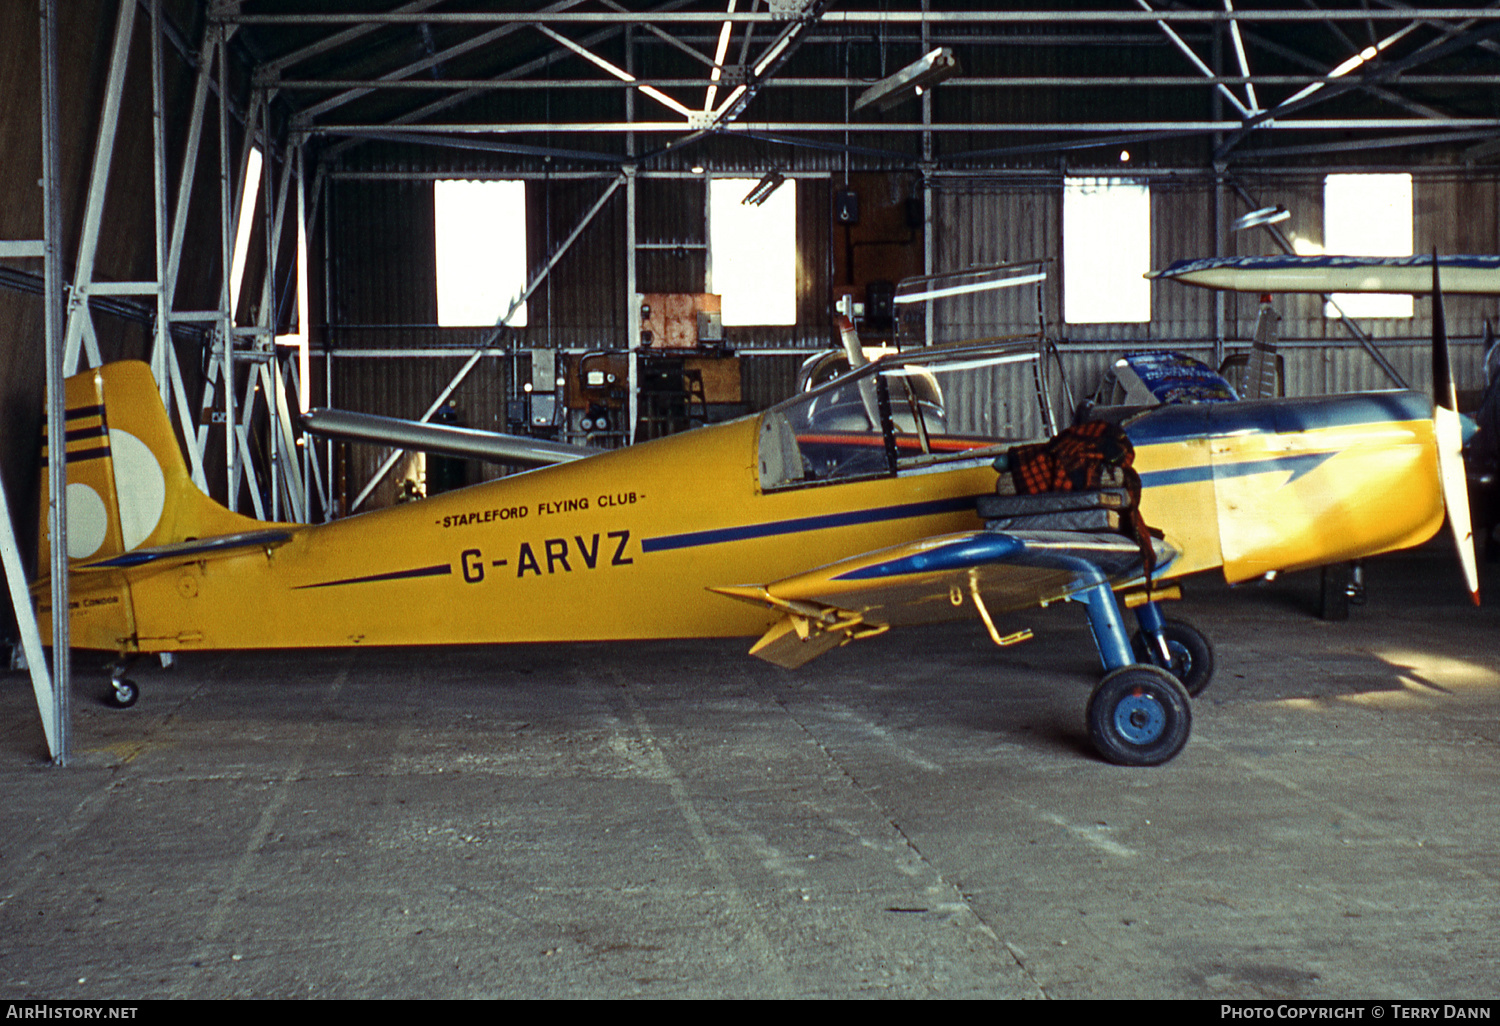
(1380, 73)
(1196, 61)
(31, 636)
(620, 73)
(163, 339)
(104, 149)
(416, 67)
(879, 17)
(60, 740)
(224, 361)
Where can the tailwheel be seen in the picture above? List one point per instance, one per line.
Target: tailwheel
(122, 690)
(1192, 656)
(123, 693)
(1139, 716)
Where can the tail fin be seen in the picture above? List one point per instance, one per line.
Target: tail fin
(128, 485)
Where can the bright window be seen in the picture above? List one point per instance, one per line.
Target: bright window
(481, 251)
(1106, 251)
(753, 251)
(1368, 215)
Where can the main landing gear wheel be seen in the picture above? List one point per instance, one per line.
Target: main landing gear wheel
(1139, 716)
(1192, 655)
(123, 693)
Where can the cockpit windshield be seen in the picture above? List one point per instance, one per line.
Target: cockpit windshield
(905, 412)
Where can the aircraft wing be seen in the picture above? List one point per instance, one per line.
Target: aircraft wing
(1477, 275)
(928, 581)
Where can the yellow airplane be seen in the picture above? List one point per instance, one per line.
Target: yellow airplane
(869, 502)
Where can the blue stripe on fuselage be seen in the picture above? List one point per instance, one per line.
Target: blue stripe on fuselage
(1298, 465)
(852, 518)
(1183, 422)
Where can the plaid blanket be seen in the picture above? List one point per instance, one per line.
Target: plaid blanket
(1076, 459)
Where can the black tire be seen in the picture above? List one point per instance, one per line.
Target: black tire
(1192, 654)
(1333, 592)
(122, 693)
(1139, 716)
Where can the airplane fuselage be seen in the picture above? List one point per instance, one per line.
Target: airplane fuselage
(626, 544)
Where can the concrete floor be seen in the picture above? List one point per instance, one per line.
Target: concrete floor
(915, 815)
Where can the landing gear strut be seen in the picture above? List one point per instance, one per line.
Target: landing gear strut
(1140, 714)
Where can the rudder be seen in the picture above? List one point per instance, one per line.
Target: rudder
(128, 485)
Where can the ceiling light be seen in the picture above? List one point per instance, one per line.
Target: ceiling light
(1265, 215)
(763, 188)
(937, 66)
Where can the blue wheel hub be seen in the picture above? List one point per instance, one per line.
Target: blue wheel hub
(1139, 717)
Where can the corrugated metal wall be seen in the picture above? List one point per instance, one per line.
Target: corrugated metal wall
(382, 294)
(998, 220)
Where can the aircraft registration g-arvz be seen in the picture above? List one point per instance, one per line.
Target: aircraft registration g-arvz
(870, 502)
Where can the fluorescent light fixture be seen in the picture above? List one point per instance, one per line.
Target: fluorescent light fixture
(1265, 215)
(719, 54)
(618, 72)
(763, 188)
(1366, 55)
(973, 286)
(935, 67)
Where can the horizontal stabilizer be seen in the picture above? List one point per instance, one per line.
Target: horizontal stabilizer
(196, 548)
(444, 439)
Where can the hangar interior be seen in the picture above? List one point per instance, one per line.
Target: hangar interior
(275, 203)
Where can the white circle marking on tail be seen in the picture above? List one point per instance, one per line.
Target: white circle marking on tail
(88, 521)
(140, 487)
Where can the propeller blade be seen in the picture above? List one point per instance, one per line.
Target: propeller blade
(1449, 431)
